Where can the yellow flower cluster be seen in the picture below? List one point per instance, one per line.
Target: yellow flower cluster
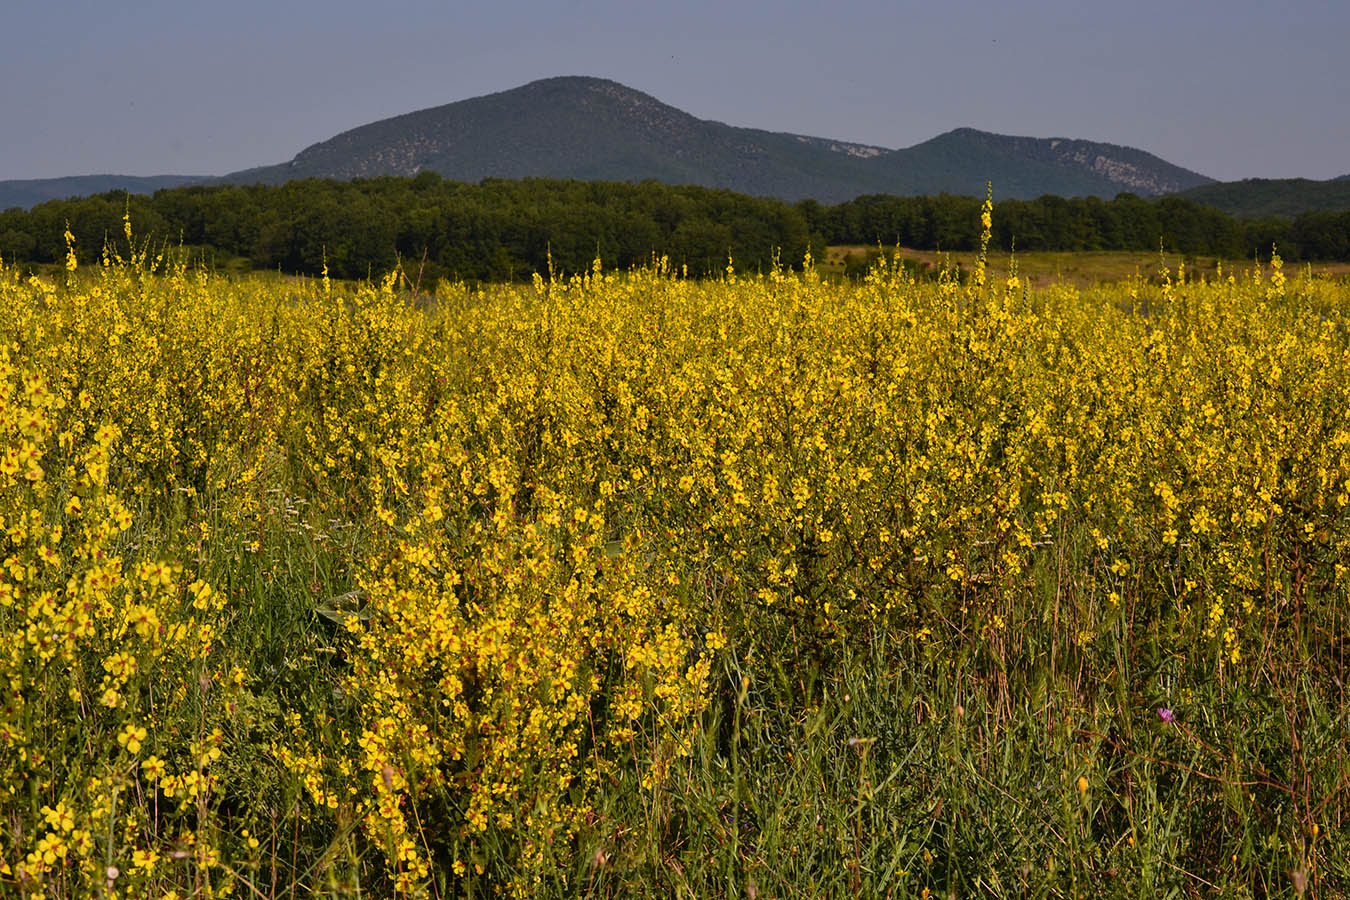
(556, 504)
(106, 642)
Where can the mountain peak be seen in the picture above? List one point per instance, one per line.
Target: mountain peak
(585, 127)
(596, 129)
(509, 134)
(1125, 168)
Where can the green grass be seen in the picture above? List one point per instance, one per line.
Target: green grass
(884, 769)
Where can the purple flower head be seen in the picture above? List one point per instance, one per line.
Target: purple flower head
(1166, 714)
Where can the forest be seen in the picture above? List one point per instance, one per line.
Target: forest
(506, 230)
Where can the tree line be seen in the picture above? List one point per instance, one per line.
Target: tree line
(1127, 222)
(503, 229)
(495, 230)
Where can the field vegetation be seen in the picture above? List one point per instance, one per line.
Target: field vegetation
(1080, 268)
(622, 584)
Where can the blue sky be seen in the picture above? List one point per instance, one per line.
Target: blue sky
(1231, 89)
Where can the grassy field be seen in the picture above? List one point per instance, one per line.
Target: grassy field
(1083, 268)
(626, 585)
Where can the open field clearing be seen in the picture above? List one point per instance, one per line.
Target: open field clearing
(1082, 268)
(627, 585)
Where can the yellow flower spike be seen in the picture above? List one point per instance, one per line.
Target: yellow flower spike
(71, 263)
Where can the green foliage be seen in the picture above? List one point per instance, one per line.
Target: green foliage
(495, 231)
(1080, 223)
(1265, 197)
(502, 230)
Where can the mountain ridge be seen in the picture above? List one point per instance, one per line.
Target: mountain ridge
(597, 129)
(533, 130)
(29, 192)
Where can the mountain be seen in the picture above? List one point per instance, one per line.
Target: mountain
(595, 129)
(31, 192)
(583, 128)
(962, 161)
(1262, 197)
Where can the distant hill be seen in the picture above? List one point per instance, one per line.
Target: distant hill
(962, 161)
(583, 128)
(598, 130)
(1262, 197)
(31, 192)
(594, 129)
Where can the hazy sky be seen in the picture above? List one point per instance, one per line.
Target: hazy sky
(1229, 88)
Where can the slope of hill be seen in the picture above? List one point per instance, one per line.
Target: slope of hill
(30, 192)
(591, 128)
(599, 130)
(962, 161)
(1262, 197)
(582, 128)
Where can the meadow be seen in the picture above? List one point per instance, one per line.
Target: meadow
(623, 584)
(1080, 268)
